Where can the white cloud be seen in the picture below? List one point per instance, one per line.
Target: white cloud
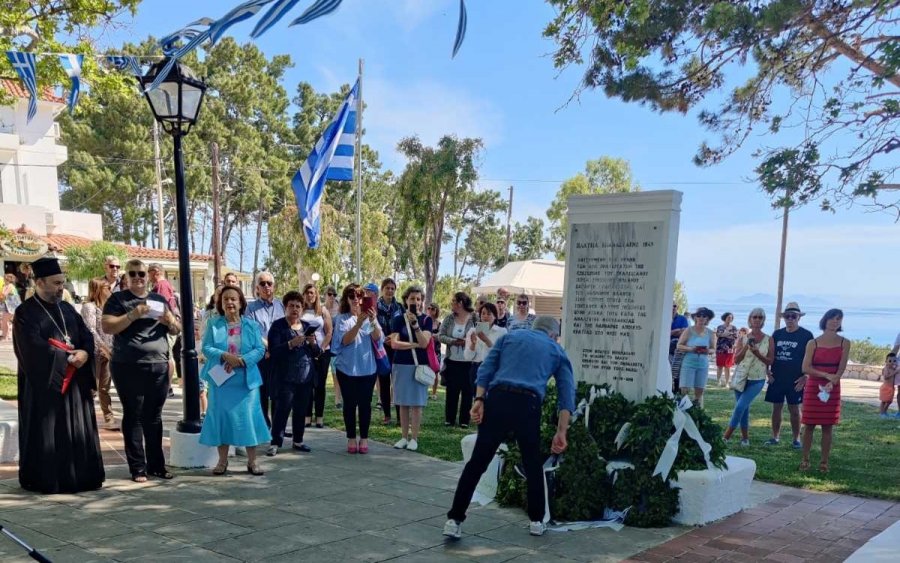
(425, 108)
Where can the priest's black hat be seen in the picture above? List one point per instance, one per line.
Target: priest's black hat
(45, 267)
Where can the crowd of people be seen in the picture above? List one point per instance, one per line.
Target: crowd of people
(793, 365)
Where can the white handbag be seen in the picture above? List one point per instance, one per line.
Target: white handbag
(424, 374)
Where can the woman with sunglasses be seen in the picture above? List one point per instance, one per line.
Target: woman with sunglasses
(456, 366)
(355, 333)
(334, 309)
(140, 322)
(314, 314)
(753, 358)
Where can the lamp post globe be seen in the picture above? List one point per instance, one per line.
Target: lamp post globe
(176, 105)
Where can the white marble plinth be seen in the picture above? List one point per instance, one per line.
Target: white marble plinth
(487, 485)
(9, 433)
(710, 495)
(881, 549)
(186, 451)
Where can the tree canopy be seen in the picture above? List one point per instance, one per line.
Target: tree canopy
(818, 77)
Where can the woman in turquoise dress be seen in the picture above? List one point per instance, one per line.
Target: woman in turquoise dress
(234, 417)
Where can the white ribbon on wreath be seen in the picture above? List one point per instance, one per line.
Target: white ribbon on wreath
(682, 423)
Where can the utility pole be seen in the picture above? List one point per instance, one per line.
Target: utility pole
(161, 227)
(781, 261)
(508, 224)
(359, 176)
(217, 262)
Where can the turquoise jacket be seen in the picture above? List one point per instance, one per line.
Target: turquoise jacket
(215, 343)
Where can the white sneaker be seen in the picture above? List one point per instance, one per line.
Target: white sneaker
(271, 451)
(112, 424)
(537, 528)
(412, 445)
(453, 529)
(401, 444)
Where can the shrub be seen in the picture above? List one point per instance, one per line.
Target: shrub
(867, 352)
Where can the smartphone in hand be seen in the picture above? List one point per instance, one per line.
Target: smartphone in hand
(368, 303)
(413, 309)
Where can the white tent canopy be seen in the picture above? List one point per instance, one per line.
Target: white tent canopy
(538, 278)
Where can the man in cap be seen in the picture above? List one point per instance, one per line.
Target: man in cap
(786, 380)
(511, 385)
(59, 449)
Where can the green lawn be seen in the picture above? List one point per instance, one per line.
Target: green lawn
(8, 385)
(863, 458)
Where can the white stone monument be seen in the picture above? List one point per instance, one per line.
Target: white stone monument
(617, 304)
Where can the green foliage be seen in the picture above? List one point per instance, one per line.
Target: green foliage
(605, 175)
(582, 488)
(679, 296)
(828, 70)
(867, 352)
(653, 502)
(88, 262)
(608, 414)
(528, 240)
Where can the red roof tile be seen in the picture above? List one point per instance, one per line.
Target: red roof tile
(15, 88)
(62, 242)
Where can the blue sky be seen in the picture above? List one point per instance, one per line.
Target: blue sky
(502, 87)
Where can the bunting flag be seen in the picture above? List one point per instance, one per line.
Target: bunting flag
(25, 64)
(124, 62)
(317, 10)
(273, 16)
(72, 65)
(242, 12)
(460, 28)
(309, 182)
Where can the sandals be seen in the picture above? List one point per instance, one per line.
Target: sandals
(162, 474)
(220, 468)
(804, 465)
(823, 467)
(139, 478)
(253, 469)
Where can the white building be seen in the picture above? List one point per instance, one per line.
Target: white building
(29, 194)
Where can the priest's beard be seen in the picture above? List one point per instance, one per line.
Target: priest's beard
(50, 296)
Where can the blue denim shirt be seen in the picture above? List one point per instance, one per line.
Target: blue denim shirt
(527, 359)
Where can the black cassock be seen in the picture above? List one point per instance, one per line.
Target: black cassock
(59, 448)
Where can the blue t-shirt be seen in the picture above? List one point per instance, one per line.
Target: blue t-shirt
(679, 321)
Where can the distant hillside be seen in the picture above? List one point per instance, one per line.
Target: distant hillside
(766, 298)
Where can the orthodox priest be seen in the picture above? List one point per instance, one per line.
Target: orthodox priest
(59, 449)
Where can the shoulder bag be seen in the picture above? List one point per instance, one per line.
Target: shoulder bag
(424, 374)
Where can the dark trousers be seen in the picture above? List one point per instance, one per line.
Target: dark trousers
(384, 394)
(318, 391)
(473, 375)
(142, 391)
(459, 391)
(288, 397)
(176, 355)
(504, 413)
(265, 371)
(357, 394)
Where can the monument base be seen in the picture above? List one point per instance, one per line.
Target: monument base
(713, 494)
(9, 433)
(186, 451)
(487, 485)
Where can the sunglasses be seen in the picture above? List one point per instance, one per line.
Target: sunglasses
(757, 317)
(791, 317)
(332, 294)
(266, 283)
(501, 302)
(521, 302)
(134, 274)
(113, 266)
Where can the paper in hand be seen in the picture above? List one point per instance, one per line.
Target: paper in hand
(219, 375)
(156, 311)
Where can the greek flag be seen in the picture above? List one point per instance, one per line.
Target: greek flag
(460, 27)
(317, 10)
(121, 62)
(323, 164)
(72, 65)
(24, 64)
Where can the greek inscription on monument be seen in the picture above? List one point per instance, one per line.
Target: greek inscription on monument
(614, 294)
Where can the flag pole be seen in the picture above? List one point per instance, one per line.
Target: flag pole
(359, 176)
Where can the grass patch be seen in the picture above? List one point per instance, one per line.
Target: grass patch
(8, 384)
(863, 457)
(435, 439)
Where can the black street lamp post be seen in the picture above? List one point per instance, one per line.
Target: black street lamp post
(176, 104)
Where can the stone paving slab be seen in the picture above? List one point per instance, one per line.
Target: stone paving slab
(324, 506)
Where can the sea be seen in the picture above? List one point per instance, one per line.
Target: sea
(880, 324)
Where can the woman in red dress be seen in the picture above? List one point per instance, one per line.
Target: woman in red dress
(823, 365)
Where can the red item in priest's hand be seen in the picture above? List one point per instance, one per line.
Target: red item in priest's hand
(70, 369)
